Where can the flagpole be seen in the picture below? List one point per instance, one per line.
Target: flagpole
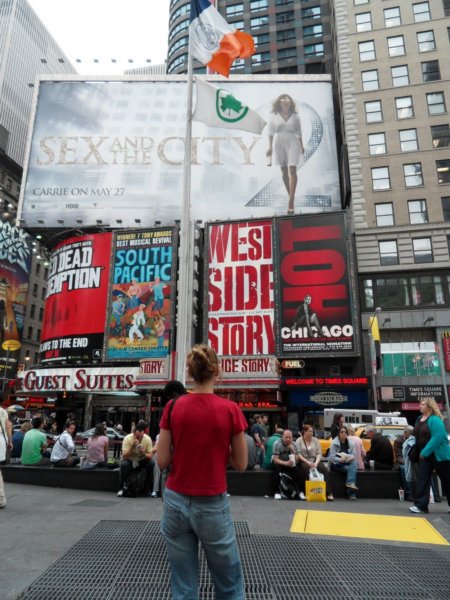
(185, 266)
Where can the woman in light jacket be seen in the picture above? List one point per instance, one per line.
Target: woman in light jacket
(342, 458)
(360, 453)
(310, 457)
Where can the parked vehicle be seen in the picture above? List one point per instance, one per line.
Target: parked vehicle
(114, 435)
(390, 431)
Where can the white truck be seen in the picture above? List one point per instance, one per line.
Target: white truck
(357, 417)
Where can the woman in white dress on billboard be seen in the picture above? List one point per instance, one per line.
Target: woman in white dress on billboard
(285, 141)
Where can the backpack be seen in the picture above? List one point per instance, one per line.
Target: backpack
(134, 484)
(288, 488)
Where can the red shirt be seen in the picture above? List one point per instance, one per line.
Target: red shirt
(202, 426)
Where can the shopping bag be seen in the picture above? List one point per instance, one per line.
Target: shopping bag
(316, 491)
(314, 475)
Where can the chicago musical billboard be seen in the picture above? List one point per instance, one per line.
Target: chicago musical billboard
(75, 305)
(239, 288)
(140, 314)
(315, 300)
(110, 153)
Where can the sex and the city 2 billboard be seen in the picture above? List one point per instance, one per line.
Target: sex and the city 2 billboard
(111, 153)
(315, 311)
(75, 304)
(140, 315)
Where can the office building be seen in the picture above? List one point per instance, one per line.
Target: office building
(394, 87)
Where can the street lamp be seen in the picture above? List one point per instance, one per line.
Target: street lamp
(374, 339)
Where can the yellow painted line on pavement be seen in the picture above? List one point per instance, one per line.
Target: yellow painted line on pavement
(376, 527)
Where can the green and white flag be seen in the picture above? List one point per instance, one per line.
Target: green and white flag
(217, 107)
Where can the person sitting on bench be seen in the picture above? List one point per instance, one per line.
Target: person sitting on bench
(63, 451)
(137, 451)
(381, 451)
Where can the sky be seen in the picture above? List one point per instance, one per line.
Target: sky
(107, 29)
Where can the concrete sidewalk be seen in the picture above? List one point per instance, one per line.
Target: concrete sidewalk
(40, 524)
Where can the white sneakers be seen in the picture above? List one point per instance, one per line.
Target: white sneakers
(120, 493)
(277, 497)
(302, 496)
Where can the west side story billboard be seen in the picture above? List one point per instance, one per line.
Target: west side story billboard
(110, 153)
(315, 311)
(239, 288)
(140, 316)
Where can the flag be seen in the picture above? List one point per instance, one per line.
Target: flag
(213, 41)
(217, 107)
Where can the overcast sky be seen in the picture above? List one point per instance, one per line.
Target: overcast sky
(107, 29)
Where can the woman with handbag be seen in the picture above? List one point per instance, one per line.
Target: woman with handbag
(310, 457)
(5, 445)
(431, 452)
(342, 458)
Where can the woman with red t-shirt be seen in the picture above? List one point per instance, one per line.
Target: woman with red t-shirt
(196, 507)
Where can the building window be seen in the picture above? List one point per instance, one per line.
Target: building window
(445, 201)
(388, 252)
(366, 51)
(400, 292)
(258, 4)
(313, 12)
(373, 110)
(384, 214)
(30, 332)
(38, 335)
(370, 80)
(238, 9)
(32, 311)
(413, 175)
(358, 2)
(363, 21)
(262, 38)
(400, 75)
(404, 107)
(425, 41)
(380, 179)
(284, 17)
(285, 36)
(313, 50)
(377, 143)
(408, 140)
(396, 45)
(313, 31)
(287, 53)
(421, 12)
(436, 103)
(392, 17)
(423, 251)
(430, 71)
(38, 268)
(263, 57)
(35, 290)
(440, 135)
(259, 21)
(43, 293)
(443, 170)
(418, 213)
(41, 313)
(446, 4)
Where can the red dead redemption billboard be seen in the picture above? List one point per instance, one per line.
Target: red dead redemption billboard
(75, 304)
(239, 284)
(314, 306)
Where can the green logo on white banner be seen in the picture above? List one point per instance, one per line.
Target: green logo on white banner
(229, 108)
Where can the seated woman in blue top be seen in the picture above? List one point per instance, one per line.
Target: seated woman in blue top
(17, 441)
(342, 458)
(434, 454)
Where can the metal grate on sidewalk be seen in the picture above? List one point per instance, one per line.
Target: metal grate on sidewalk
(127, 560)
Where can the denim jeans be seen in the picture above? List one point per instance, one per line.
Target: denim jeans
(350, 469)
(186, 521)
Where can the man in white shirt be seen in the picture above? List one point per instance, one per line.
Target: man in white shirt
(62, 452)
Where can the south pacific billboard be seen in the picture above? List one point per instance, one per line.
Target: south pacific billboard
(140, 315)
(15, 266)
(239, 288)
(111, 153)
(315, 299)
(75, 304)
